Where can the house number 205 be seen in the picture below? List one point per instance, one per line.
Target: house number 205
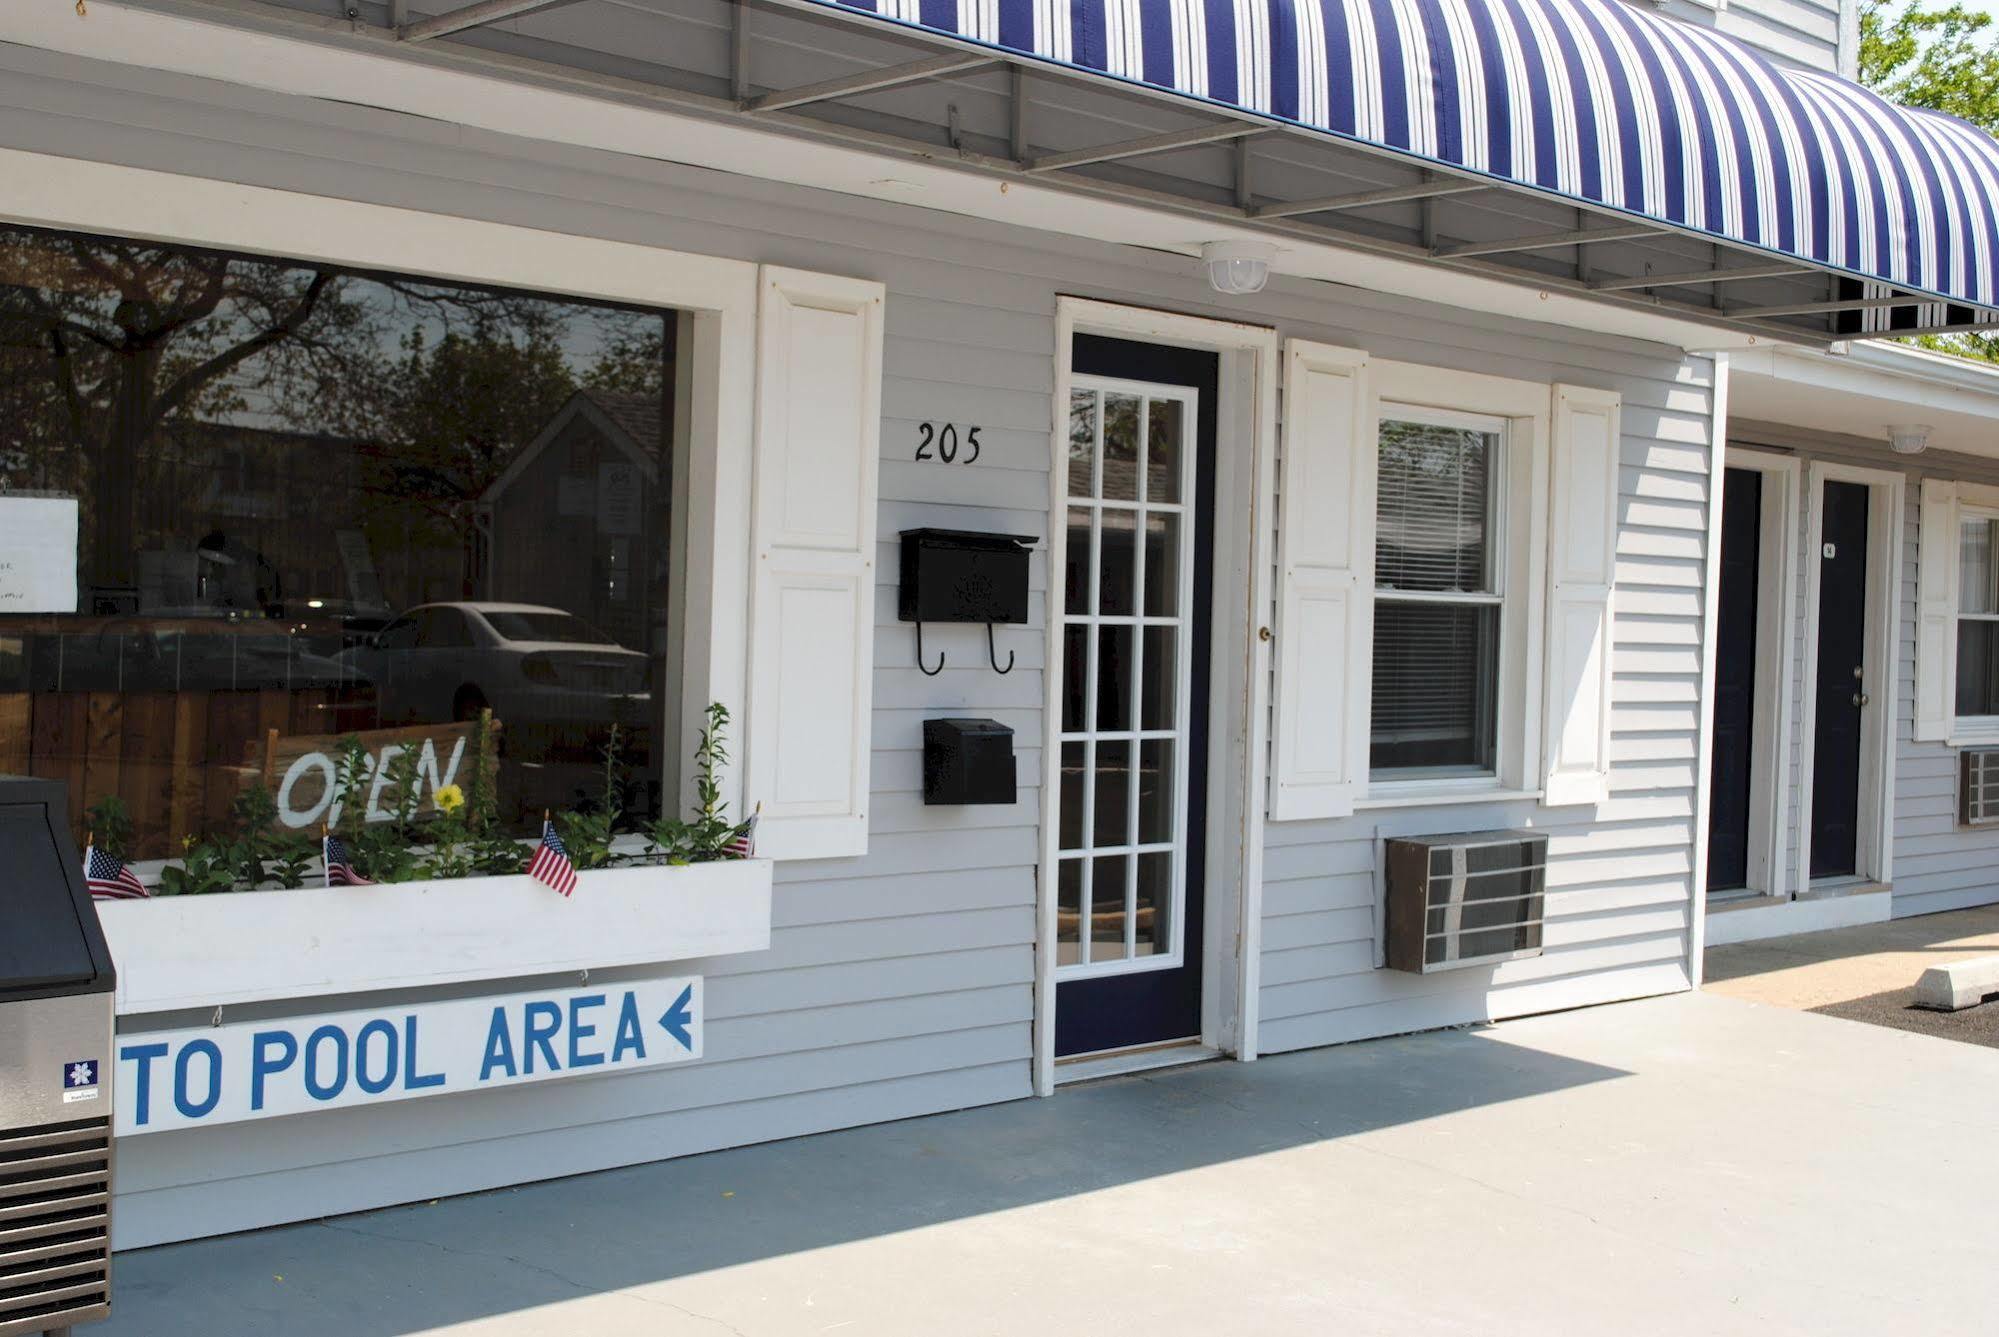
(940, 441)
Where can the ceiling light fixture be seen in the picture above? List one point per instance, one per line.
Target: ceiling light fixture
(1238, 268)
(1909, 440)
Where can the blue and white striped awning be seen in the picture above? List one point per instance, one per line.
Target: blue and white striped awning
(1588, 100)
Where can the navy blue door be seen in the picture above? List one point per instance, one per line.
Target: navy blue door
(1735, 680)
(1841, 691)
(1137, 586)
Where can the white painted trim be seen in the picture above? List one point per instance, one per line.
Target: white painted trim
(1754, 920)
(1880, 668)
(203, 952)
(66, 193)
(1710, 613)
(1776, 643)
(323, 57)
(1124, 1062)
(1239, 698)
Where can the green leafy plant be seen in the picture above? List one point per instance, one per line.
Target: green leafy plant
(110, 825)
(588, 834)
(489, 850)
(204, 870)
(289, 866)
(705, 836)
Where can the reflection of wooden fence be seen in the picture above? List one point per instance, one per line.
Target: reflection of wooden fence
(175, 758)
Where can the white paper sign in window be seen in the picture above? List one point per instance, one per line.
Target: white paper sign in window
(37, 554)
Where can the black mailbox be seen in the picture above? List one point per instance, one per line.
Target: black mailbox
(956, 575)
(952, 575)
(967, 761)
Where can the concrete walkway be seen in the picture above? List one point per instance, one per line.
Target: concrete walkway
(1691, 1164)
(1866, 973)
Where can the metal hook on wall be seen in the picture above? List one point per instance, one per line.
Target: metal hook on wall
(992, 652)
(928, 672)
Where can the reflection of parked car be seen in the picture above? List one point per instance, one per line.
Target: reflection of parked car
(530, 664)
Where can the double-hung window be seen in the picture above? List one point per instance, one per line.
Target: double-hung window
(1447, 550)
(1439, 592)
(1978, 618)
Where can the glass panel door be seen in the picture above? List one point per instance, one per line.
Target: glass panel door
(1127, 621)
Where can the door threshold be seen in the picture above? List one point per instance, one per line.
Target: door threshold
(1138, 1058)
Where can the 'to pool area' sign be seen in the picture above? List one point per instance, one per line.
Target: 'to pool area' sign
(261, 1069)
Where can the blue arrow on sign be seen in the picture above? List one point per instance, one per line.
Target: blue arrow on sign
(677, 1019)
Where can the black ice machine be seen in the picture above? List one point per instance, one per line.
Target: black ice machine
(55, 1073)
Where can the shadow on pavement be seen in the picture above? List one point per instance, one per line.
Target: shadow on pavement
(411, 1269)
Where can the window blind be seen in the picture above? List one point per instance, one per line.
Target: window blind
(1433, 508)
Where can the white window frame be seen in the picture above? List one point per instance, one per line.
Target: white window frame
(1412, 391)
(1181, 736)
(1973, 503)
(718, 298)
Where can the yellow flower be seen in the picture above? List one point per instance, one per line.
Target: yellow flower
(448, 798)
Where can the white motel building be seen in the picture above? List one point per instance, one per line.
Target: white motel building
(1221, 527)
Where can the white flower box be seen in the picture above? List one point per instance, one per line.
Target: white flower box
(248, 946)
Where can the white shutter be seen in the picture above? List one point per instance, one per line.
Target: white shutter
(1936, 612)
(819, 358)
(1582, 563)
(1325, 531)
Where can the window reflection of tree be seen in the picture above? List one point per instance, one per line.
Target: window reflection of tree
(224, 421)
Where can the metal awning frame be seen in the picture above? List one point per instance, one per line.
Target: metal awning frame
(1313, 220)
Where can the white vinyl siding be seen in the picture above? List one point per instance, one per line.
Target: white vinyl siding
(1620, 874)
(1794, 32)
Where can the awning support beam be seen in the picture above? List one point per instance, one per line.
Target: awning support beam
(1988, 326)
(473, 16)
(868, 81)
(1133, 148)
(1545, 241)
(1691, 276)
(1827, 308)
(1362, 199)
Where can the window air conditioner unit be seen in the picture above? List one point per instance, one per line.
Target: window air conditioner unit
(1978, 786)
(1469, 899)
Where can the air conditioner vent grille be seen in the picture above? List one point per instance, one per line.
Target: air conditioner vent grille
(55, 1220)
(1978, 786)
(1467, 899)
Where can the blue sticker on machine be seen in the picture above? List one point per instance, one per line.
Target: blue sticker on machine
(79, 1075)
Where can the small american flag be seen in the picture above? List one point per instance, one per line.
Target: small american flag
(743, 844)
(109, 879)
(551, 864)
(340, 864)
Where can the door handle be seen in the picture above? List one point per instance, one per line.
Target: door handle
(1860, 698)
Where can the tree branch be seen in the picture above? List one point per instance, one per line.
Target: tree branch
(194, 378)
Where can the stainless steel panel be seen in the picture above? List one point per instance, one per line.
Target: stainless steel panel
(41, 1040)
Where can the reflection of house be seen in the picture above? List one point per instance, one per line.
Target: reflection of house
(589, 482)
(260, 502)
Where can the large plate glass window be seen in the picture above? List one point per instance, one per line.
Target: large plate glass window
(1439, 588)
(308, 505)
(1127, 617)
(1978, 616)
